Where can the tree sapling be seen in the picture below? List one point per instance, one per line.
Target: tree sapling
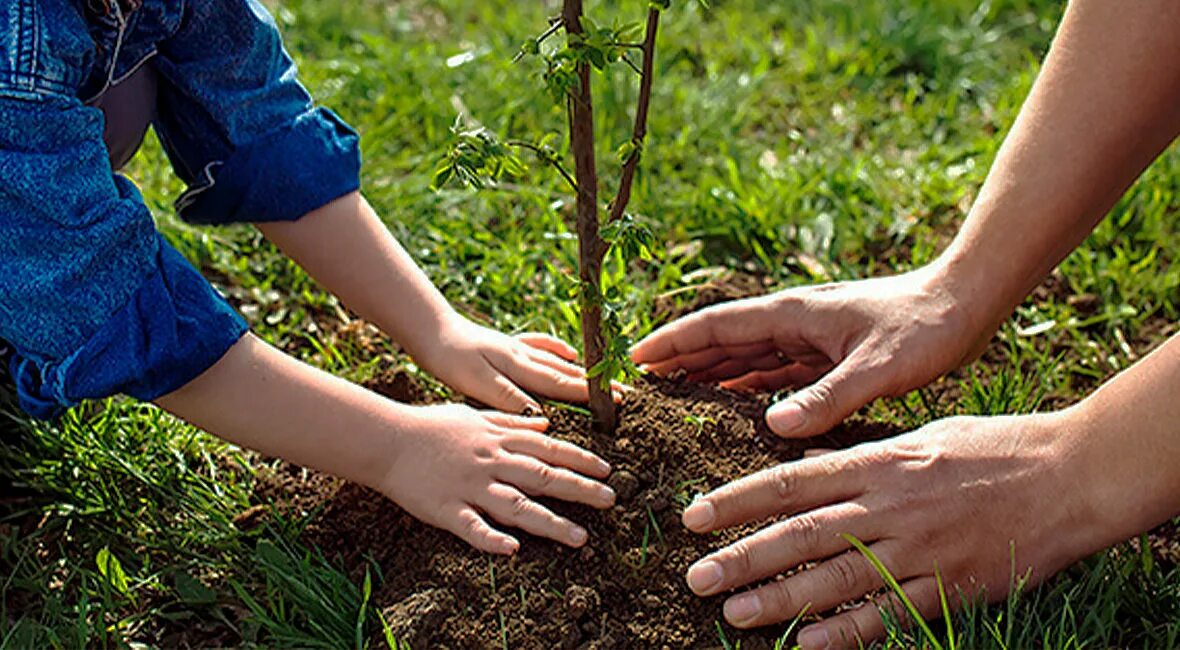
(479, 157)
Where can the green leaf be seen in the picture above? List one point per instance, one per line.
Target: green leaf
(192, 591)
(441, 176)
(111, 569)
(891, 582)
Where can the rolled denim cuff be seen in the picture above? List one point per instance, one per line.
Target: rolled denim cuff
(280, 177)
(174, 327)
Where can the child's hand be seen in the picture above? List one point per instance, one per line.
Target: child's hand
(501, 370)
(457, 465)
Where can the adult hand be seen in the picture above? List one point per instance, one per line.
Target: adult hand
(967, 497)
(845, 343)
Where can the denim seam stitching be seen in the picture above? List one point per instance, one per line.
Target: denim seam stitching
(190, 196)
(29, 51)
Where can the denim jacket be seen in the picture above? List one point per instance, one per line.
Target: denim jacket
(93, 301)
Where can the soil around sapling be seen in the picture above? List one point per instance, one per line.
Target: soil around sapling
(624, 589)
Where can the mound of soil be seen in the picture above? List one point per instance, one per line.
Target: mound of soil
(625, 589)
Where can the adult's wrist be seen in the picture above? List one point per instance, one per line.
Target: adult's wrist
(981, 286)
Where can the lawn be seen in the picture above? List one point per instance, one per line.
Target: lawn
(797, 142)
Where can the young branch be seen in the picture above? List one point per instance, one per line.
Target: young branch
(619, 205)
(548, 158)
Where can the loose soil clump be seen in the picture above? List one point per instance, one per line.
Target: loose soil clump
(624, 589)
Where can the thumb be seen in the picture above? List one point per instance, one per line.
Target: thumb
(824, 404)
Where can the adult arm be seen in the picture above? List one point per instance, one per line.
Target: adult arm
(1106, 103)
(979, 500)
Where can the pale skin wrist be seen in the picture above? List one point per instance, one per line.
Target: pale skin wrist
(346, 247)
(257, 397)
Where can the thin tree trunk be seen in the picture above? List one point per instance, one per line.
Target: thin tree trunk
(591, 247)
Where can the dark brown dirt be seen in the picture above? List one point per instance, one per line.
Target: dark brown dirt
(675, 439)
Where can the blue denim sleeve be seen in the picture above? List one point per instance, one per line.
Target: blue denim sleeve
(238, 126)
(93, 301)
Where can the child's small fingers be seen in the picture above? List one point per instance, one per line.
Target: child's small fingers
(512, 507)
(549, 344)
(557, 453)
(538, 479)
(469, 526)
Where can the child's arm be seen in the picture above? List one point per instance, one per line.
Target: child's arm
(345, 246)
(446, 465)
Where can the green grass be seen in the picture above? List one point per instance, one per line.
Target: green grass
(806, 141)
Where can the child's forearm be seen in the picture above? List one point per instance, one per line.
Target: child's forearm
(345, 247)
(1107, 101)
(260, 398)
(447, 465)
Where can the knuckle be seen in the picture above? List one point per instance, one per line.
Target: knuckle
(520, 505)
(550, 447)
(472, 528)
(807, 532)
(783, 482)
(844, 574)
(780, 600)
(821, 397)
(739, 558)
(546, 477)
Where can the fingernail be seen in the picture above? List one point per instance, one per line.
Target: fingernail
(578, 536)
(699, 516)
(704, 577)
(511, 546)
(785, 417)
(603, 467)
(608, 495)
(743, 608)
(813, 638)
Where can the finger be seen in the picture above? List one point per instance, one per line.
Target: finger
(513, 421)
(507, 396)
(784, 489)
(577, 374)
(556, 363)
(550, 344)
(538, 479)
(512, 507)
(825, 403)
(736, 367)
(796, 374)
(741, 322)
(709, 357)
(552, 383)
(778, 548)
(860, 626)
(521, 372)
(844, 578)
(469, 526)
(558, 453)
(817, 452)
